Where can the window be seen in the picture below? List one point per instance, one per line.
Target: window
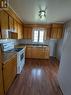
(35, 36)
(38, 35)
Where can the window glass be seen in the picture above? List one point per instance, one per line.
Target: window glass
(41, 35)
(35, 36)
(38, 36)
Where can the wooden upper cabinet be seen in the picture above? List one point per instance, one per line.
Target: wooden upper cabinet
(56, 31)
(4, 20)
(15, 26)
(48, 33)
(0, 30)
(11, 23)
(9, 20)
(27, 33)
(60, 33)
(20, 31)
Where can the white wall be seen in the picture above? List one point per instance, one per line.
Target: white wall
(64, 74)
(59, 48)
(52, 47)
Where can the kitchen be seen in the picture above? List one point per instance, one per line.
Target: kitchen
(32, 51)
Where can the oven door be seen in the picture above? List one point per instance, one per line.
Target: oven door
(20, 61)
(22, 57)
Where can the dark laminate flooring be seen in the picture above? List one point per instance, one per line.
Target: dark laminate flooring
(37, 78)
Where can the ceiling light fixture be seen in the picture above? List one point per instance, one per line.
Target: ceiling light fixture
(42, 13)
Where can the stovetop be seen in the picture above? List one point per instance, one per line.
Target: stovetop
(14, 50)
(18, 49)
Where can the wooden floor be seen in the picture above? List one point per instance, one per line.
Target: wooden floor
(37, 78)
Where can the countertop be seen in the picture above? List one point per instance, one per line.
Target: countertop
(32, 45)
(6, 56)
(35, 44)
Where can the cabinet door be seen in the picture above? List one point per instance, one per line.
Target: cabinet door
(15, 26)
(11, 23)
(48, 33)
(34, 52)
(21, 26)
(19, 34)
(57, 31)
(40, 52)
(37, 52)
(54, 33)
(29, 32)
(25, 33)
(9, 72)
(20, 31)
(0, 30)
(1, 81)
(4, 20)
(46, 50)
(28, 52)
(60, 33)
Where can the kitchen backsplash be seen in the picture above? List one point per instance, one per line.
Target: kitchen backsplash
(15, 42)
(7, 44)
(22, 41)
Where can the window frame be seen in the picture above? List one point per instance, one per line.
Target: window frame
(38, 29)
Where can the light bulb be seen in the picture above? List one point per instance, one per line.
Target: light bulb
(42, 13)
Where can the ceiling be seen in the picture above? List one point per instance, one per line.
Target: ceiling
(28, 10)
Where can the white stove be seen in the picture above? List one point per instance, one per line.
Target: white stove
(20, 59)
(9, 47)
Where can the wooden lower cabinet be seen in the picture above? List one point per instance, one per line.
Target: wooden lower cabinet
(40, 52)
(28, 52)
(37, 52)
(1, 80)
(47, 52)
(1, 77)
(9, 72)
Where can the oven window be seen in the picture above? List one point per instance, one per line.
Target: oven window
(21, 56)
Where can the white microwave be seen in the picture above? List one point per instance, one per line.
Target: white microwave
(6, 33)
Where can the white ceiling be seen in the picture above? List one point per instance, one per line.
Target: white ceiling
(28, 10)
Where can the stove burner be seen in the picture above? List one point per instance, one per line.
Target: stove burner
(18, 49)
